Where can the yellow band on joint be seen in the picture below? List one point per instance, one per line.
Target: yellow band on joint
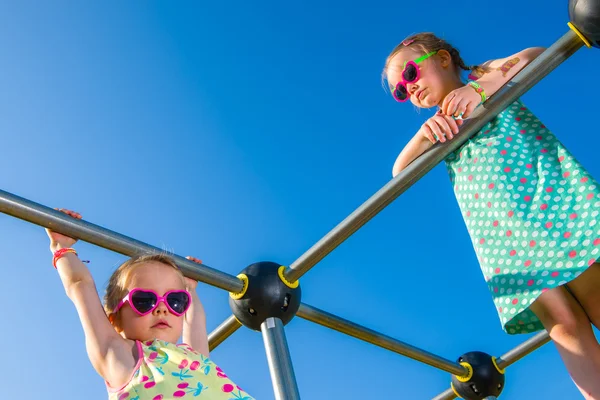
(240, 294)
(496, 365)
(291, 285)
(454, 390)
(578, 33)
(470, 372)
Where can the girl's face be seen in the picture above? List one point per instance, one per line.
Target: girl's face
(160, 323)
(437, 77)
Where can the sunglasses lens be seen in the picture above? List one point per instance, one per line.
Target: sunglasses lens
(400, 93)
(178, 301)
(410, 73)
(143, 301)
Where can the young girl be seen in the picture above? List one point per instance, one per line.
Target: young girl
(132, 341)
(530, 208)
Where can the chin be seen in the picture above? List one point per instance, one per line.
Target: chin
(423, 104)
(430, 102)
(168, 336)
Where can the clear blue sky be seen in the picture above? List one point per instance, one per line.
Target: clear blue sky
(244, 131)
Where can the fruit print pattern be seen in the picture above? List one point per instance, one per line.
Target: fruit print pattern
(167, 371)
(530, 208)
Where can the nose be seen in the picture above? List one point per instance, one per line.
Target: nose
(161, 308)
(412, 88)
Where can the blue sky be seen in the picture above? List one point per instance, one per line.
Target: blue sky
(238, 132)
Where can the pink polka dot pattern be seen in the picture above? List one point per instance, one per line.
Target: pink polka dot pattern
(531, 209)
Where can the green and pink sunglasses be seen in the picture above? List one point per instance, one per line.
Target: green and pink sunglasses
(410, 74)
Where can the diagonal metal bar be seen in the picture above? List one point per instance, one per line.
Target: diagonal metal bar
(360, 332)
(448, 394)
(523, 349)
(279, 360)
(222, 332)
(521, 83)
(49, 218)
(508, 358)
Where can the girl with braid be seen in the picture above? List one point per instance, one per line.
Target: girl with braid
(531, 209)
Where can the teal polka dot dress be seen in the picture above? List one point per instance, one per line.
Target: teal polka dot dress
(530, 208)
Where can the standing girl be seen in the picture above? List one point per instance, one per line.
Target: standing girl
(530, 208)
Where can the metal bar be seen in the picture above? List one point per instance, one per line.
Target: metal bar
(360, 332)
(509, 358)
(280, 362)
(448, 394)
(523, 81)
(523, 349)
(222, 332)
(59, 222)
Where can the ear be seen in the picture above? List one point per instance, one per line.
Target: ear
(115, 320)
(445, 58)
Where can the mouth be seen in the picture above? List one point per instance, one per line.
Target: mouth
(421, 94)
(162, 324)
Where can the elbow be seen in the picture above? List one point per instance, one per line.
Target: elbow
(532, 53)
(398, 167)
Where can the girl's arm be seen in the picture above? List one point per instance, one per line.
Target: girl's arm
(413, 149)
(500, 71)
(497, 73)
(194, 324)
(442, 126)
(110, 354)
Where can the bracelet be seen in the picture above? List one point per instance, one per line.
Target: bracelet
(60, 253)
(478, 89)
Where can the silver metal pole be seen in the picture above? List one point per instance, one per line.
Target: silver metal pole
(509, 358)
(523, 349)
(523, 81)
(280, 362)
(49, 218)
(360, 332)
(222, 332)
(446, 395)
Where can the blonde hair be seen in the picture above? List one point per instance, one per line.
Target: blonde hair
(427, 42)
(119, 280)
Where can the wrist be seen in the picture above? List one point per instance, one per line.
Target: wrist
(63, 253)
(54, 247)
(479, 89)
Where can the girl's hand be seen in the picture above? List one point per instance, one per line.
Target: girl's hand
(461, 102)
(440, 127)
(58, 240)
(190, 283)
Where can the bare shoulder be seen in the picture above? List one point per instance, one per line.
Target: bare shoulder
(121, 361)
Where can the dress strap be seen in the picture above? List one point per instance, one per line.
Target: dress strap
(140, 356)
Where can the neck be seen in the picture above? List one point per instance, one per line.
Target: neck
(454, 83)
